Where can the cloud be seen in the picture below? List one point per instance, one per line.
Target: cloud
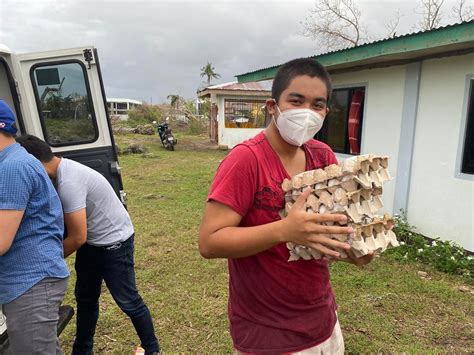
(155, 48)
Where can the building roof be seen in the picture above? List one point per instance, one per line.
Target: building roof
(234, 85)
(443, 41)
(113, 99)
(247, 88)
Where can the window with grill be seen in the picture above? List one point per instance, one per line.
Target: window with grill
(241, 113)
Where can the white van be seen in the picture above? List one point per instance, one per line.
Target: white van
(59, 97)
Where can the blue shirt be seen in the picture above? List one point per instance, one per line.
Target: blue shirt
(37, 249)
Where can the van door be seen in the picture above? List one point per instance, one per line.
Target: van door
(63, 101)
(8, 88)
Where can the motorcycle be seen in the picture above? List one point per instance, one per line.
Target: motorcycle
(167, 138)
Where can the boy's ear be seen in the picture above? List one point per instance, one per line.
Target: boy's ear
(271, 106)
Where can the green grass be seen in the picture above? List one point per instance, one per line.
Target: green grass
(384, 307)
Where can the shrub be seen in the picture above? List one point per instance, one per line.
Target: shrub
(197, 126)
(446, 256)
(144, 114)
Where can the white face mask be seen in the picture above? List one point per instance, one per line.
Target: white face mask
(298, 125)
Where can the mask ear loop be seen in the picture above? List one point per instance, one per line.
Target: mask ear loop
(279, 114)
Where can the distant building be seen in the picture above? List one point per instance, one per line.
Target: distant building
(237, 111)
(120, 107)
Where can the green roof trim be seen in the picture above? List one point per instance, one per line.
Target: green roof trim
(461, 35)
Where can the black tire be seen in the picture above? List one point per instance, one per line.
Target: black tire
(172, 146)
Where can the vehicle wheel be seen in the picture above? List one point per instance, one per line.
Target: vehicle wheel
(172, 146)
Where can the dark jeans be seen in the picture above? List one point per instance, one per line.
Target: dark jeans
(114, 265)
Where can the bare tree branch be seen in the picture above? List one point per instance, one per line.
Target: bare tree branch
(462, 12)
(392, 25)
(431, 11)
(335, 24)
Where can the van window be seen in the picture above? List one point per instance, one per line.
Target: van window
(64, 103)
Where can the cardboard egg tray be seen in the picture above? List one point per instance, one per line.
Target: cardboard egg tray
(354, 188)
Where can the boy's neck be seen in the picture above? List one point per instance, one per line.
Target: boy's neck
(51, 167)
(6, 141)
(285, 150)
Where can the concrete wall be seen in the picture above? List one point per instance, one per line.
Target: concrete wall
(441, 200)
(416, 114)
(384, 97)
(233, 136)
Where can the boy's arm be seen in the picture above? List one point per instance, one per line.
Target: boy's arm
(76, 225)
(16, 186)
(73, 196)
(220, 236)
(10, 222)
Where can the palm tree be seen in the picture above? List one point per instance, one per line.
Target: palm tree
(208, 70)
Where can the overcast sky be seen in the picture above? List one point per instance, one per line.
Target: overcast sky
(150, 49)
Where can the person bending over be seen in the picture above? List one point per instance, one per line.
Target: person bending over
(101, 231)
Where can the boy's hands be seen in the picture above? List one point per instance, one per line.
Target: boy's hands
(361, 261)
(304, 228)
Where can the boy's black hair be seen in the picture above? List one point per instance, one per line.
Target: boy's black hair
(297, 67)
(36, 147)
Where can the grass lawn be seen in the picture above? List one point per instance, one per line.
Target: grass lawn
(384, 307)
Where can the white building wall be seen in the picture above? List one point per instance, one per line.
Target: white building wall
(440, 202)
(382, 116)
(233, 136)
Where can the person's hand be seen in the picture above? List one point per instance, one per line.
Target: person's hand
(361, 261)
(303, 228)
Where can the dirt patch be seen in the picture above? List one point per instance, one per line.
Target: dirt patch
(196, 144)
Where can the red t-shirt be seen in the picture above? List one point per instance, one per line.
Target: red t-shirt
(274, 305)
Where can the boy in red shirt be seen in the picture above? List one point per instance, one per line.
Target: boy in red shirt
(276, 306)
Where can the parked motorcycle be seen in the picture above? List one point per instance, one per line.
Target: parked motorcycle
(167, 138)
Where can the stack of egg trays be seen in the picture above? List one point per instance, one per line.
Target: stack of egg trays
(353, 188)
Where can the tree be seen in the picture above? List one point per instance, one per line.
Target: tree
(431, 12)
(175, 100)
(209, 71)
(463, 12)
(392, 25)
(335, 24)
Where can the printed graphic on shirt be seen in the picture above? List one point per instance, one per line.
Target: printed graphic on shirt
(269, 198)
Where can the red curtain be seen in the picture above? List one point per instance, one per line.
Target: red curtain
(353, 125)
